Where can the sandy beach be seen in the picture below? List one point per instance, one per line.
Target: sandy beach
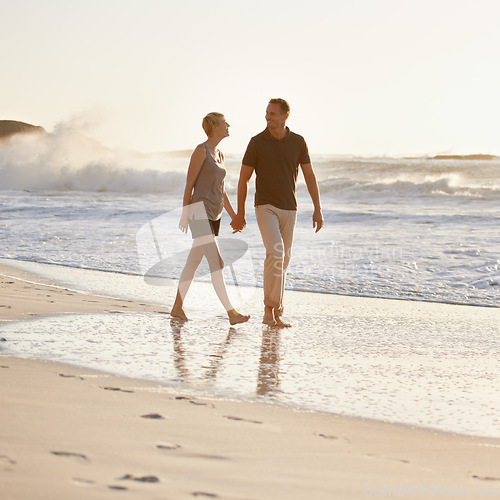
(71, 432)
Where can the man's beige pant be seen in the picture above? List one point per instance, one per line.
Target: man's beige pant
(276, 227)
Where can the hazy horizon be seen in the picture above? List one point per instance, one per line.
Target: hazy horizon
(187, 152)
(363, 78)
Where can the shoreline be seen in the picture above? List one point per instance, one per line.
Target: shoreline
(58, 299)
(65, 309)
(74, 432)
(302, 290)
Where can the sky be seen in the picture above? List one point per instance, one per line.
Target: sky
(363, 77)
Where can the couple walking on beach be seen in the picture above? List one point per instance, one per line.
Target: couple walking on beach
(274, 155)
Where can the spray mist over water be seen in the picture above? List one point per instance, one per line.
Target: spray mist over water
(67, 160)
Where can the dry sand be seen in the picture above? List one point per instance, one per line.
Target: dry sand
(73, 433)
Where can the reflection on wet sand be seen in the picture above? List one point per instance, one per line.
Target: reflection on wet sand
(421, 364)
(179, 354)
(216, 358)
(268, 381)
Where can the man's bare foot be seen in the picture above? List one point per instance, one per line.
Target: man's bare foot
(235, 317)
(268, 318)
(282, 324)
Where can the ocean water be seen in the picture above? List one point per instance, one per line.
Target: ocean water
(415, 229)
(423, 231)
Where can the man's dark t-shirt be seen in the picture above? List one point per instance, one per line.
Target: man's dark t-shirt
(276, 164)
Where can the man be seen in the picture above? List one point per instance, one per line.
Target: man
(275, 155)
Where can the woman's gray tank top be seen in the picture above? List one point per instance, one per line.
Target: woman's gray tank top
(208, 186)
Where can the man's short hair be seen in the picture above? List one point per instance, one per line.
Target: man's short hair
(284, 106)
(210, 121)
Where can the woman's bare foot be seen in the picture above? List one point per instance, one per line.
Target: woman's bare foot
(177, 311)
(235, 317)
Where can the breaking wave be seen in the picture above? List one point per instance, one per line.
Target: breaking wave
(71, 162)
(66, 161)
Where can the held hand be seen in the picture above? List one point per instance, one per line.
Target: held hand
(238, 223)
(183, 223)
(318, 220)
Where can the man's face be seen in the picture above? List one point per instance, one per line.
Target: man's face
(274, 117)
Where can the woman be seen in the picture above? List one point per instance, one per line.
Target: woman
(204, 200)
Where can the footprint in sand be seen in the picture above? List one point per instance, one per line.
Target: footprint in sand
(68, 454)
(332, 437)
(154, 416)
(83, 482)
(325, 436)
(485, 478)
(4, 459)
(141, 479)
(198, 404)
(209, 457)
(239, 419)
(63, 375)
(168, 446)
(381, 457)
(189, 400)
(192, 401)
(116, 389)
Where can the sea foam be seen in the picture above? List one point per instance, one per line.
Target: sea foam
(69, 161)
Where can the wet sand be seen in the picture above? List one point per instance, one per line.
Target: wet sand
(70, 432)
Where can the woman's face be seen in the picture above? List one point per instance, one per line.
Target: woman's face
(222, 128)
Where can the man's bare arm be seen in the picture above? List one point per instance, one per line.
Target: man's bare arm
(239, 222)
(312, 187)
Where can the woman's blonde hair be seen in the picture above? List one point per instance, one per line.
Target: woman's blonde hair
(210, 121)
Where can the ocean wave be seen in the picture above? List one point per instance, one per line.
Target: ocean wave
(96, 177)
(395, 178)
(68, 162)
(442, 186)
